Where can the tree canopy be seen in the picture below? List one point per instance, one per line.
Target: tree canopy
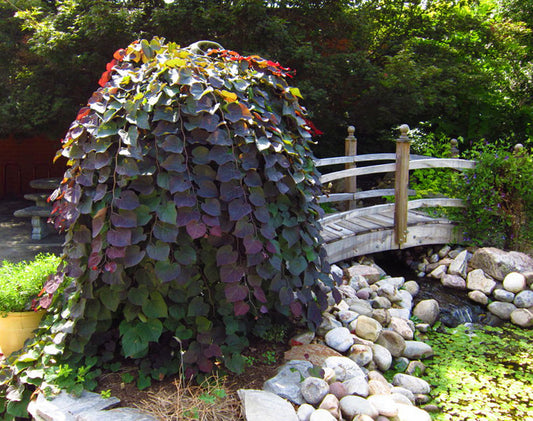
(461, 67)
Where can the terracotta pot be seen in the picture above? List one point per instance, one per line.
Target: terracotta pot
(15, 328)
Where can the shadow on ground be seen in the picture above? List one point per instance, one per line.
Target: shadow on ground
(15, 234)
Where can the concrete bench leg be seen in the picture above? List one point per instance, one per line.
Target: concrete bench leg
(40, 229)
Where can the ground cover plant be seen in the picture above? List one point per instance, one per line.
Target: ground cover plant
(481, 373)
(190, 216)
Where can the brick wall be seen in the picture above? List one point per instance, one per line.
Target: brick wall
(22, 160)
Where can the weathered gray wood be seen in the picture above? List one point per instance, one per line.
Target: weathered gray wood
(401, 178)
(435, 202)
(455, 163)
(368, 194)
(350, 149)
(371, 169)
(357, 212)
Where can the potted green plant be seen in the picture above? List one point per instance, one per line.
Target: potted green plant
(20, 285)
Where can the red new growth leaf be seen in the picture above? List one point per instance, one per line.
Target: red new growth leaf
(82, 113)
(119, 54)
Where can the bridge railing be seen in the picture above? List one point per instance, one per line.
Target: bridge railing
(402, 163)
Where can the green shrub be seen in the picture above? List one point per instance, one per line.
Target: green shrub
(20, 283)
(498, 198)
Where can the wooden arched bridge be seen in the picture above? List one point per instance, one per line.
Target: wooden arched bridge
(389, 226)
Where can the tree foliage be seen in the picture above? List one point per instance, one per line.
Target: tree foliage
(462, 67)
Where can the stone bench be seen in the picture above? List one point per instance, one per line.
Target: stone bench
(39, 215)
(40, 199)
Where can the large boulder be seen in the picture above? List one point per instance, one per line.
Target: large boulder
(498, 263)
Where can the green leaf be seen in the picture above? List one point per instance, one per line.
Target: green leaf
(138, 295)
(155, 307)
(109, 298)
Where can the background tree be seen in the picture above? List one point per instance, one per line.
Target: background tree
(463, 68)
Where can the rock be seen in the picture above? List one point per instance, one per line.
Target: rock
(407, 299)
(415, 350)
(355, 405)
(502, 310)
(260, 405)
(403, 313)
(314, 389)
(431, 408)
(314, 353)
(443, 252)
(331, 404)
(382, 316)
(338, 390)
(529, 278)
(362, 307)
(376, 375)
(459, 264)
(382, 357)
(514, 282)
(397, 390)
(402, 327)
(396, 281)
(427, 311)
(329, 374)
(356, 386)
(346, 316)
(393, 341)
(344, 368)
(453, 281)
(478, 297)
(412, 287)
(498, 263)
(364, 417)
(376, 387)
(321, 415)
(347, 292)
(358, 283)
(381, 302)
(385, 405)
(400, 398)
(434, 258)
(503, 295)
(367, 328)
(411, 413)
(423, 327)
(364, 294)
(340, 338)
(59, 406)
(439, 272)
(337, 273)
(522, 317)
(412, 383)
(524, 299)
(361, 354)
(118, 414)
(400, 364)
(476, 280)
(371, 274)
(303, 338)
(288, 381)
(328, 322)
(304, 412)
(415, 368)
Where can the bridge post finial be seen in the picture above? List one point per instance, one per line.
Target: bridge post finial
(454, 150)
(350, 149)
(404, 129)
(518, 149)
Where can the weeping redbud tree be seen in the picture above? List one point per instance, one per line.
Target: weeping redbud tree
(189, 209)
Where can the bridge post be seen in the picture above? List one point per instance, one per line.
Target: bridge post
(401, 182)
(350, 149)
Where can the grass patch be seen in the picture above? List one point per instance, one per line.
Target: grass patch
(481, 373)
